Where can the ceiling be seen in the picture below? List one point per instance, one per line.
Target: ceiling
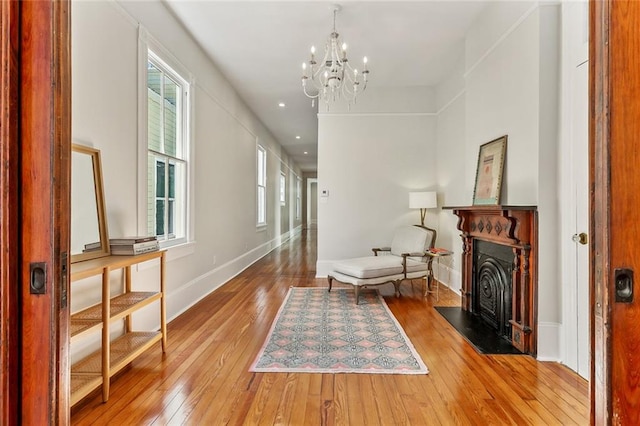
(260, 46)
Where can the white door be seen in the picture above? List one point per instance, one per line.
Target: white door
(574, 173)
(580, 142)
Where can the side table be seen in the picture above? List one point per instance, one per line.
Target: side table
(435, 254)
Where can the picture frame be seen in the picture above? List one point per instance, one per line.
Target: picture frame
(488, 184)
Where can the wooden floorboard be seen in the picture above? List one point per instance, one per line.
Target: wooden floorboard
(204, 377)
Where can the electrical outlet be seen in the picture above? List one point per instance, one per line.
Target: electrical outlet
(214, 259)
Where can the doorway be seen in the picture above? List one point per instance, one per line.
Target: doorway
(574, 189)
(312, 203)
(580, 188)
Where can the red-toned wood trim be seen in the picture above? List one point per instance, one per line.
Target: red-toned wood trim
(599, 188)
(9, 213)
(45, 137)
(62, 197)
(37, 172)
(617, 202)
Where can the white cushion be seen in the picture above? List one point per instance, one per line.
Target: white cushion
(370, 266)
(409, 239)
(416, 266)
(377, 266)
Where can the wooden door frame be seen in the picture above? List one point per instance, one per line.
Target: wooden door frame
(9, 198)
(35, 114)
(613, 184)
(599, 196)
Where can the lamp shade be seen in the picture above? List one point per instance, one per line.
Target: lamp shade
(422, 200)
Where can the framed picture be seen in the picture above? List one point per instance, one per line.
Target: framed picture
(489, 172)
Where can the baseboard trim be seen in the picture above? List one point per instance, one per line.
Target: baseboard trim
(184, 297)
(549, 341)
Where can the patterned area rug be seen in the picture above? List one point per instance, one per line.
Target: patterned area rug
(316, 331)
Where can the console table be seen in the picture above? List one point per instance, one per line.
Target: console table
(96, 369)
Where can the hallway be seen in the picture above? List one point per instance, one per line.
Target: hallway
(204, 379)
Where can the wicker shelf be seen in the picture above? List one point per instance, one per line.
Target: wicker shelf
(78, 327)
(86, 374)
(122, 305)
(82, 385)
(94, 371)
(123, 350)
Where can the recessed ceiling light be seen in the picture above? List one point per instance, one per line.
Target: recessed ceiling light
(281, 105)
(297, 137)
(305, 153)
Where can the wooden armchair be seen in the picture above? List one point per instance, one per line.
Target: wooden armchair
(405, 259)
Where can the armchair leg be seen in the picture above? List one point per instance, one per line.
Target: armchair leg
(356, 289)
(396, 284)
(330, 279)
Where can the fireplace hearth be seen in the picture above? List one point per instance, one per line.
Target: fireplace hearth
(499, 270)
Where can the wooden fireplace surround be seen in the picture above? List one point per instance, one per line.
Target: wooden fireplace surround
(515, 227)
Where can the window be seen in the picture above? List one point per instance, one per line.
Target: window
(262, 186)
(298, 198)
(167, 151)
(283, 189)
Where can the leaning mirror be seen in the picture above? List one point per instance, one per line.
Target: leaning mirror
(89, 236)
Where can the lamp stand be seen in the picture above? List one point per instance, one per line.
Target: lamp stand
(423, 213)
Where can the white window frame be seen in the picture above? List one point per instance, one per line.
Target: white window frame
(283, 189)
(150, 49)
(261, 186)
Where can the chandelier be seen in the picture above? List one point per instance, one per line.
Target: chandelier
(333, 77)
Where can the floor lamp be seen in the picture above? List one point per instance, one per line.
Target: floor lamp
(423, 201)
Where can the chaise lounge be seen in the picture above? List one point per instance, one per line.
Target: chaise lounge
(406, 259)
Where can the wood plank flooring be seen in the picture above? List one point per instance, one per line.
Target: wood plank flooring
(203, 379)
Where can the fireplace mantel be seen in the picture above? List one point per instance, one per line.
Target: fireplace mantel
(517, 228)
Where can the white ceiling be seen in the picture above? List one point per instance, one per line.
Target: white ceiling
(260, 47)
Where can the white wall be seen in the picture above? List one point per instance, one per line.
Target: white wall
(510, 87)
(105, 78)
(369, 159)
(451, 171)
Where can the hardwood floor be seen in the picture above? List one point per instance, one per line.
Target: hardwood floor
(203, 379)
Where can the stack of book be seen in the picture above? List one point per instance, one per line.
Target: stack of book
(133, 245)
(92, 247)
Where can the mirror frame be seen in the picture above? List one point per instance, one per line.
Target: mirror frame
(101, 213)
